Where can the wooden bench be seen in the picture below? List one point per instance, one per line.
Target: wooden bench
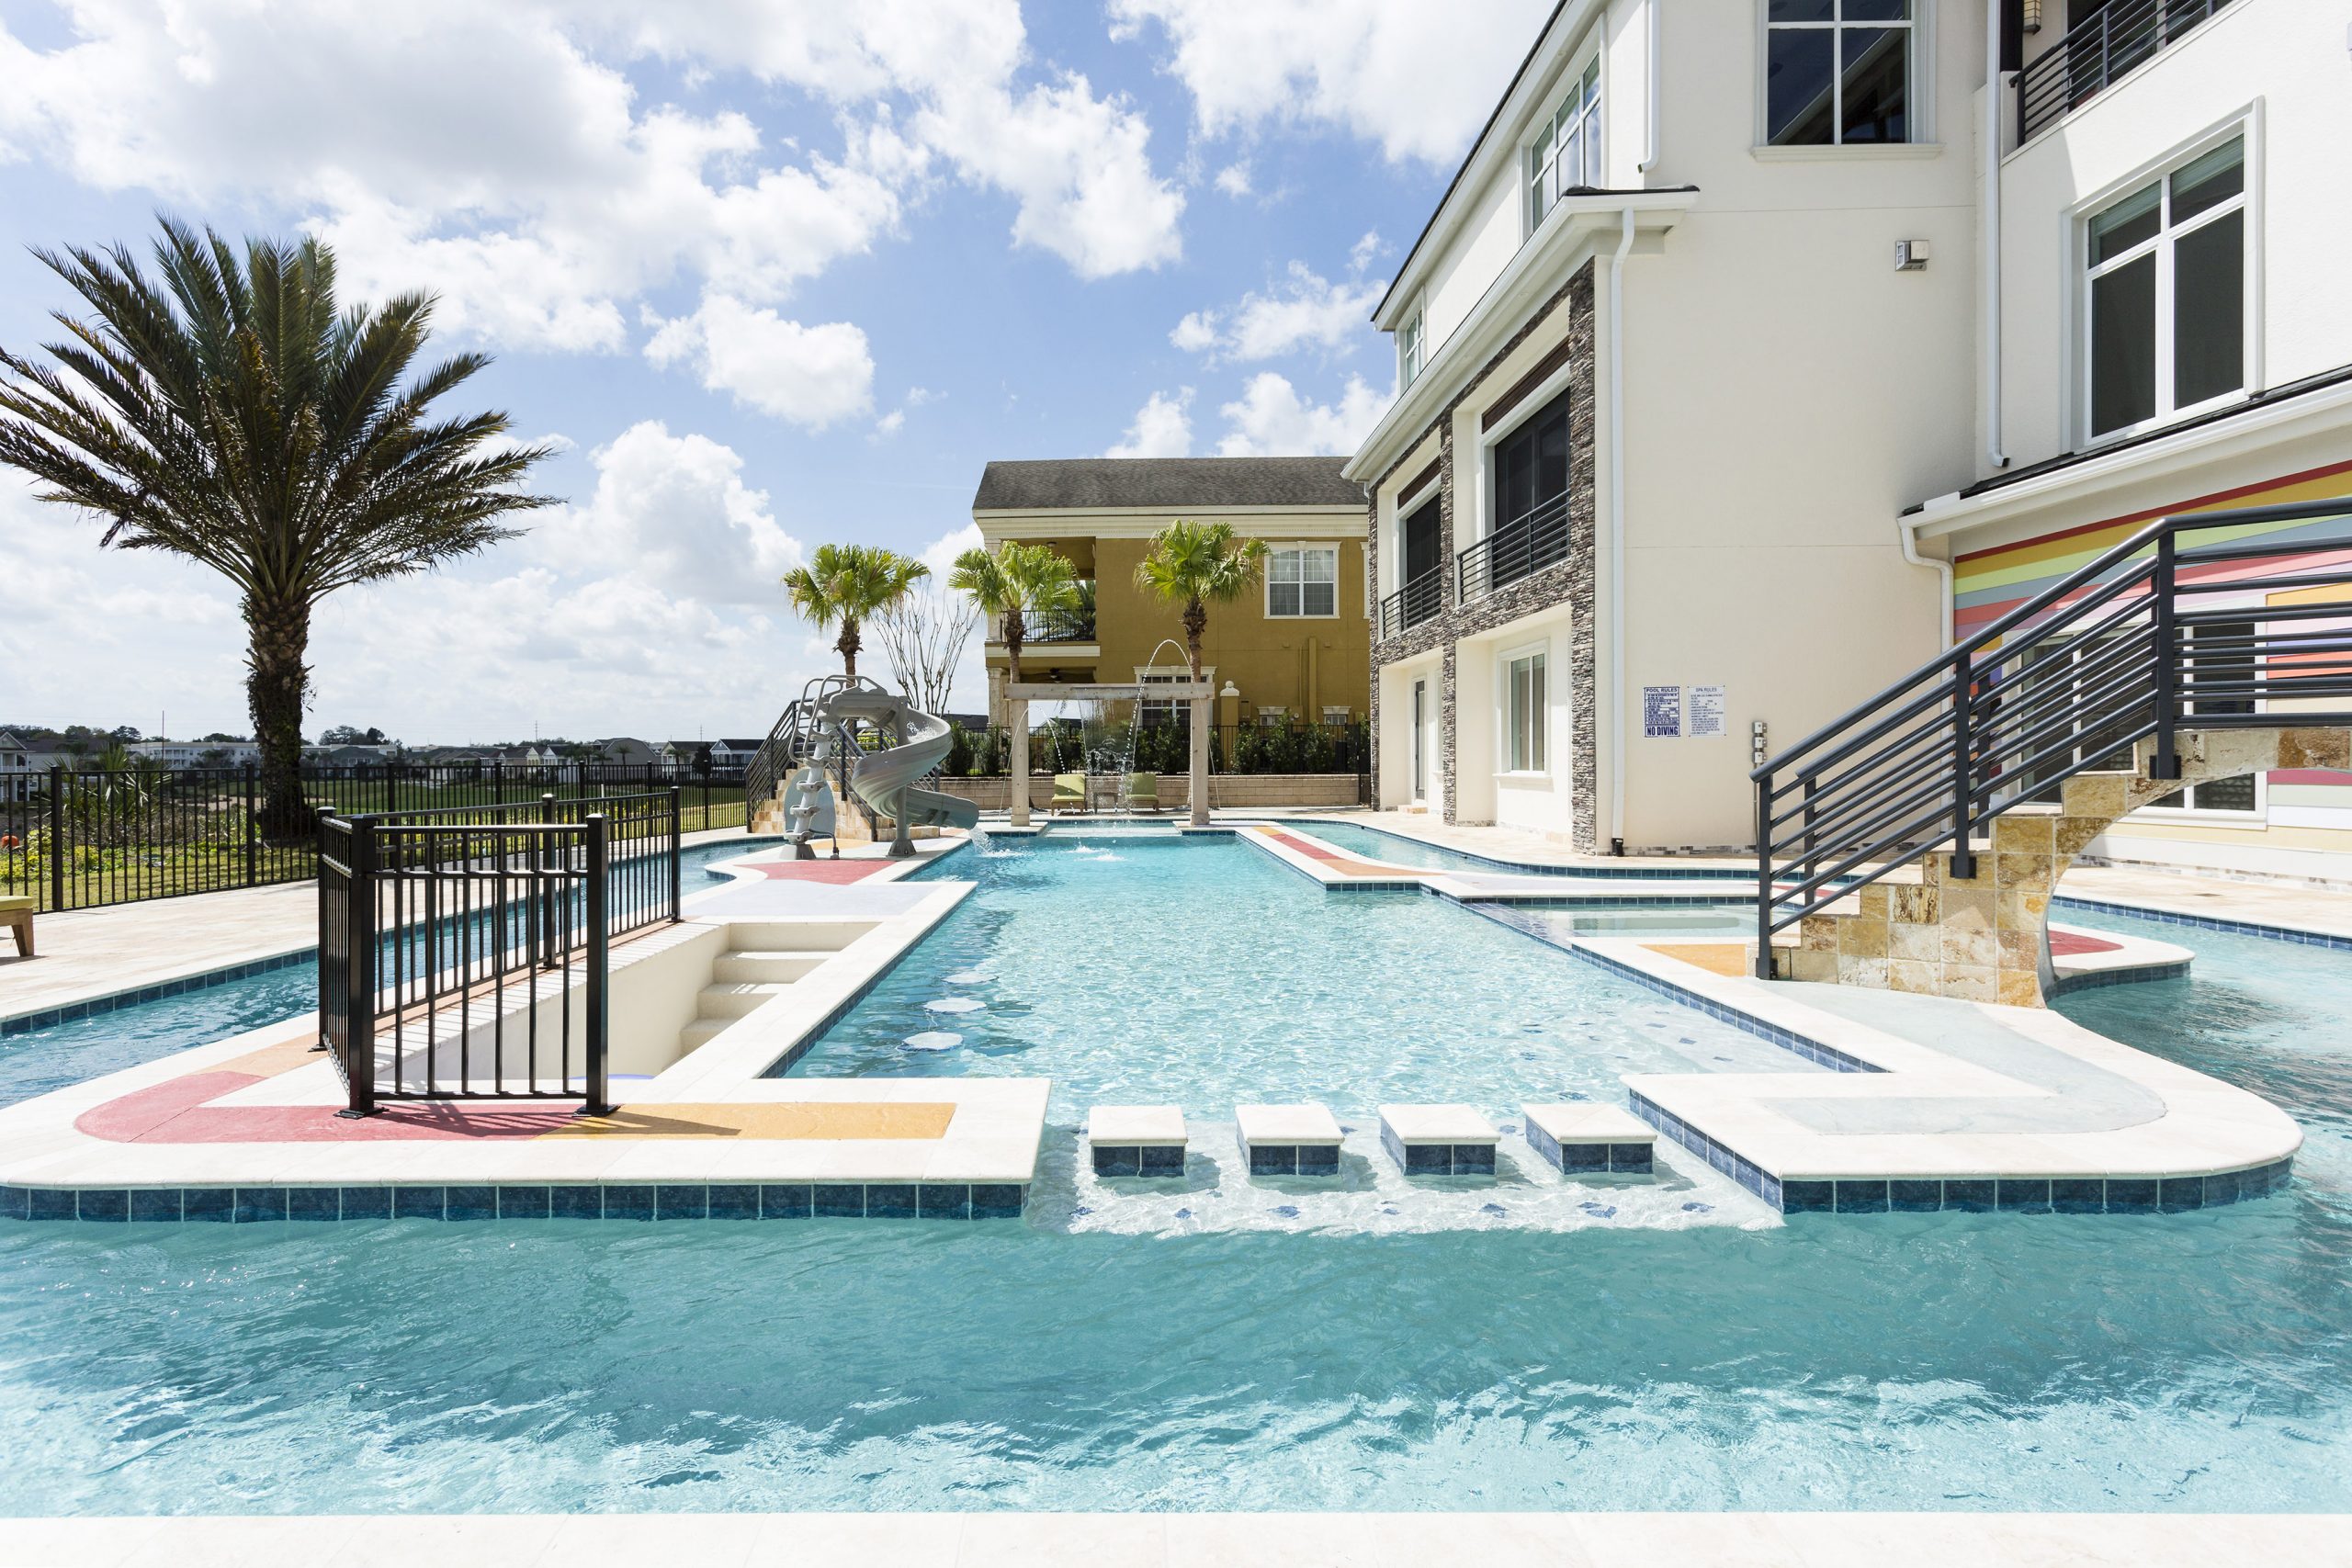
(17, 914)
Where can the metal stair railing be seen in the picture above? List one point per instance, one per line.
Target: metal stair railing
(2156, 634)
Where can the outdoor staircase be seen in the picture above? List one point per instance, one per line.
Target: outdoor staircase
(1915, 843)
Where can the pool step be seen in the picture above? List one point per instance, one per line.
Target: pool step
(698, 1033)
(732, 999)
(766, 965)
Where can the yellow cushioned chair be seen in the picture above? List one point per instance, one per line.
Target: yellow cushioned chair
(17, 914)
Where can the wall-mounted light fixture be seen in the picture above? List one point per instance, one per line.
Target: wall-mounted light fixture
(1910, 255)
(2029, 16)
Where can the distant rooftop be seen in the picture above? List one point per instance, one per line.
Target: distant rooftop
(1101, 483)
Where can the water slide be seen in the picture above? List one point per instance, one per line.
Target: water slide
(884, 780)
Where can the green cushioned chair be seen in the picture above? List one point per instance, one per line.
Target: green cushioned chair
(1069, 790)
(1143, 791)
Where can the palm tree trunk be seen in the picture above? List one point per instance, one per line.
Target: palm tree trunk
(1196, 621)
(1014, 632)
(276, 681)
(848, 645)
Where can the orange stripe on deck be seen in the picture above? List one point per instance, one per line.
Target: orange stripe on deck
(1314, 850)
(1728, 959)
(797, 1122)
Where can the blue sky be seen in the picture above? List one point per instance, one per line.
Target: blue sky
(774, 273)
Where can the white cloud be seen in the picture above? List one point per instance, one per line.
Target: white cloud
(1304, 311)
(1419, 78)
(673, 511)
(1233, 179)
(500, 155)
(1365, 251)
(1162, 428)
(808, 375)
(1270, 419)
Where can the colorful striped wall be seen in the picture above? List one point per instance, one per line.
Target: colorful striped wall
(1988, 584)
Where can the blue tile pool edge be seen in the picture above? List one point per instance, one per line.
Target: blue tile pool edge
(2293, 934)
(520, 1200)
(49, 1018)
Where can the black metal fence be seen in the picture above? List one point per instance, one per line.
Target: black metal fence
(2116, 39)
(1418, 601)
(1164, 745)
(77, 839)
(465, 953)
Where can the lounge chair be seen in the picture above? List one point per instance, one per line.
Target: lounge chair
(1069, 792)
(1143, 792)
(17, 914)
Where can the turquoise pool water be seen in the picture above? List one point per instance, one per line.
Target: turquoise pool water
(43, 1059)
(2192, 1362)
(1199, 971)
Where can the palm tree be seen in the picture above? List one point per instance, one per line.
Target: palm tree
(1017, 580)
(1197, 566)
(233, 413)
(850, 583)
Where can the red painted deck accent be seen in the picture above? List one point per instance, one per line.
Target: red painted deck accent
(179, 1113)
(2065, 945)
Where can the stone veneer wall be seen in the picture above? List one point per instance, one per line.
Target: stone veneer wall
(1568, 583)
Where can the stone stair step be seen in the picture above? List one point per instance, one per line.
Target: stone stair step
(765, 966)
(732, 999)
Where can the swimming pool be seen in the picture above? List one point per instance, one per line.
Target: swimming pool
(1199, 971)
(1953, 1362)
(40, 1060)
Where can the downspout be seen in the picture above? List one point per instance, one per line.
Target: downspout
(1650, 146)
(1907, 532)
(1991, 224)
(1617, 525)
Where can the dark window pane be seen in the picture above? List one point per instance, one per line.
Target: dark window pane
(2208, 311)
(2134, 218)
(2226, 794)
(1877, 83)
(1799, 11)
(2123, 346)
(1878, 10)
(1797, 106)
(2208, 182)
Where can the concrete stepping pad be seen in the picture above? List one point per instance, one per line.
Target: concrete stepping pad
(1578, 1135)
(1288, 1140)
(1439, 1140)
(1137, 1140)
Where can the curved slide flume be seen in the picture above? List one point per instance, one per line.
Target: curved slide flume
(884, 780)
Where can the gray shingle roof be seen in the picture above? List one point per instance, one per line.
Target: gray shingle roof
(1093, 483)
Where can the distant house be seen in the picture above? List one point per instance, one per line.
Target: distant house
(25, 756)
(627, 753)
(726, 756)
(179, 755)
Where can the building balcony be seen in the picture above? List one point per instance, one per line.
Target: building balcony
(2105, 47)
(1418, 601)
(1041, 628)
(1520, 548)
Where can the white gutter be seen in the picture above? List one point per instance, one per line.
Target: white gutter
(1994, 452)
(1617, 522)
(1649, 147)
(1906, 529)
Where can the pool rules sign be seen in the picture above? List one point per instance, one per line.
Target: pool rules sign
(1673, 713)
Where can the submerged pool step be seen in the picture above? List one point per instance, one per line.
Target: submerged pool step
(768, 964)
(731, 999)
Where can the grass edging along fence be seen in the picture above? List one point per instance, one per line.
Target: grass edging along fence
(79, 839)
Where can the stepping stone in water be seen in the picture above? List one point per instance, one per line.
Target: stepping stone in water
(1137, 1140)
(968, 977)
(933, 1039)
(955, 1004)
(1438, 1139)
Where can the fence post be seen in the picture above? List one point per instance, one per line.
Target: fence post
(2165, 763)
(676, 843)
(57, 835)
(1764, 877)
(359, 986)
(599, 1098)
(547, 844)
(498, 779)
(252, 838)
(1963, 766)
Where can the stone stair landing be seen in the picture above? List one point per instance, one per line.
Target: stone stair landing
(1985, 938)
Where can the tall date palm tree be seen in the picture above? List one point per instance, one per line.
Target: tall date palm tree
(851, 584)
(1017, 580)
(230, 411)
(1196, 565)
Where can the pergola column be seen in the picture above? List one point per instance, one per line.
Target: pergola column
(1016, 716)
(1202, 708)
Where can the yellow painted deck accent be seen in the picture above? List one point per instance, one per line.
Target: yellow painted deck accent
(1728, 959)
(803, 1122)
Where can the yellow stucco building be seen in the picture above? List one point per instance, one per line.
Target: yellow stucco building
(1299, 647)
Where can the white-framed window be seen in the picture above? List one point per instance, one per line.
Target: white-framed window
(1273, 718)
(1838, 72)
(1410, 350)
(1302, 579)
(1527, 714)
(1566, 151)
(1336, 712)
(2165, 296)
(1166, 710)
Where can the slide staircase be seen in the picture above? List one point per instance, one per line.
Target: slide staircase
(852, 734)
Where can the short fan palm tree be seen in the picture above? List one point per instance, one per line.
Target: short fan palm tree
(230, 411)
(1197, 565)
(1018, 580)
(850, 584)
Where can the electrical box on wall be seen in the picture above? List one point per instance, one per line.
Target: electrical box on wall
(1910, 255)
(1757, 747)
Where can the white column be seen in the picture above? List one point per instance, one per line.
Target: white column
(1202, 708)
(1016, 716)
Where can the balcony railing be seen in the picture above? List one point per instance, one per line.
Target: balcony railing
(1519, 548)
(2108, 44)
(1418, 601)
(1050, 626)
